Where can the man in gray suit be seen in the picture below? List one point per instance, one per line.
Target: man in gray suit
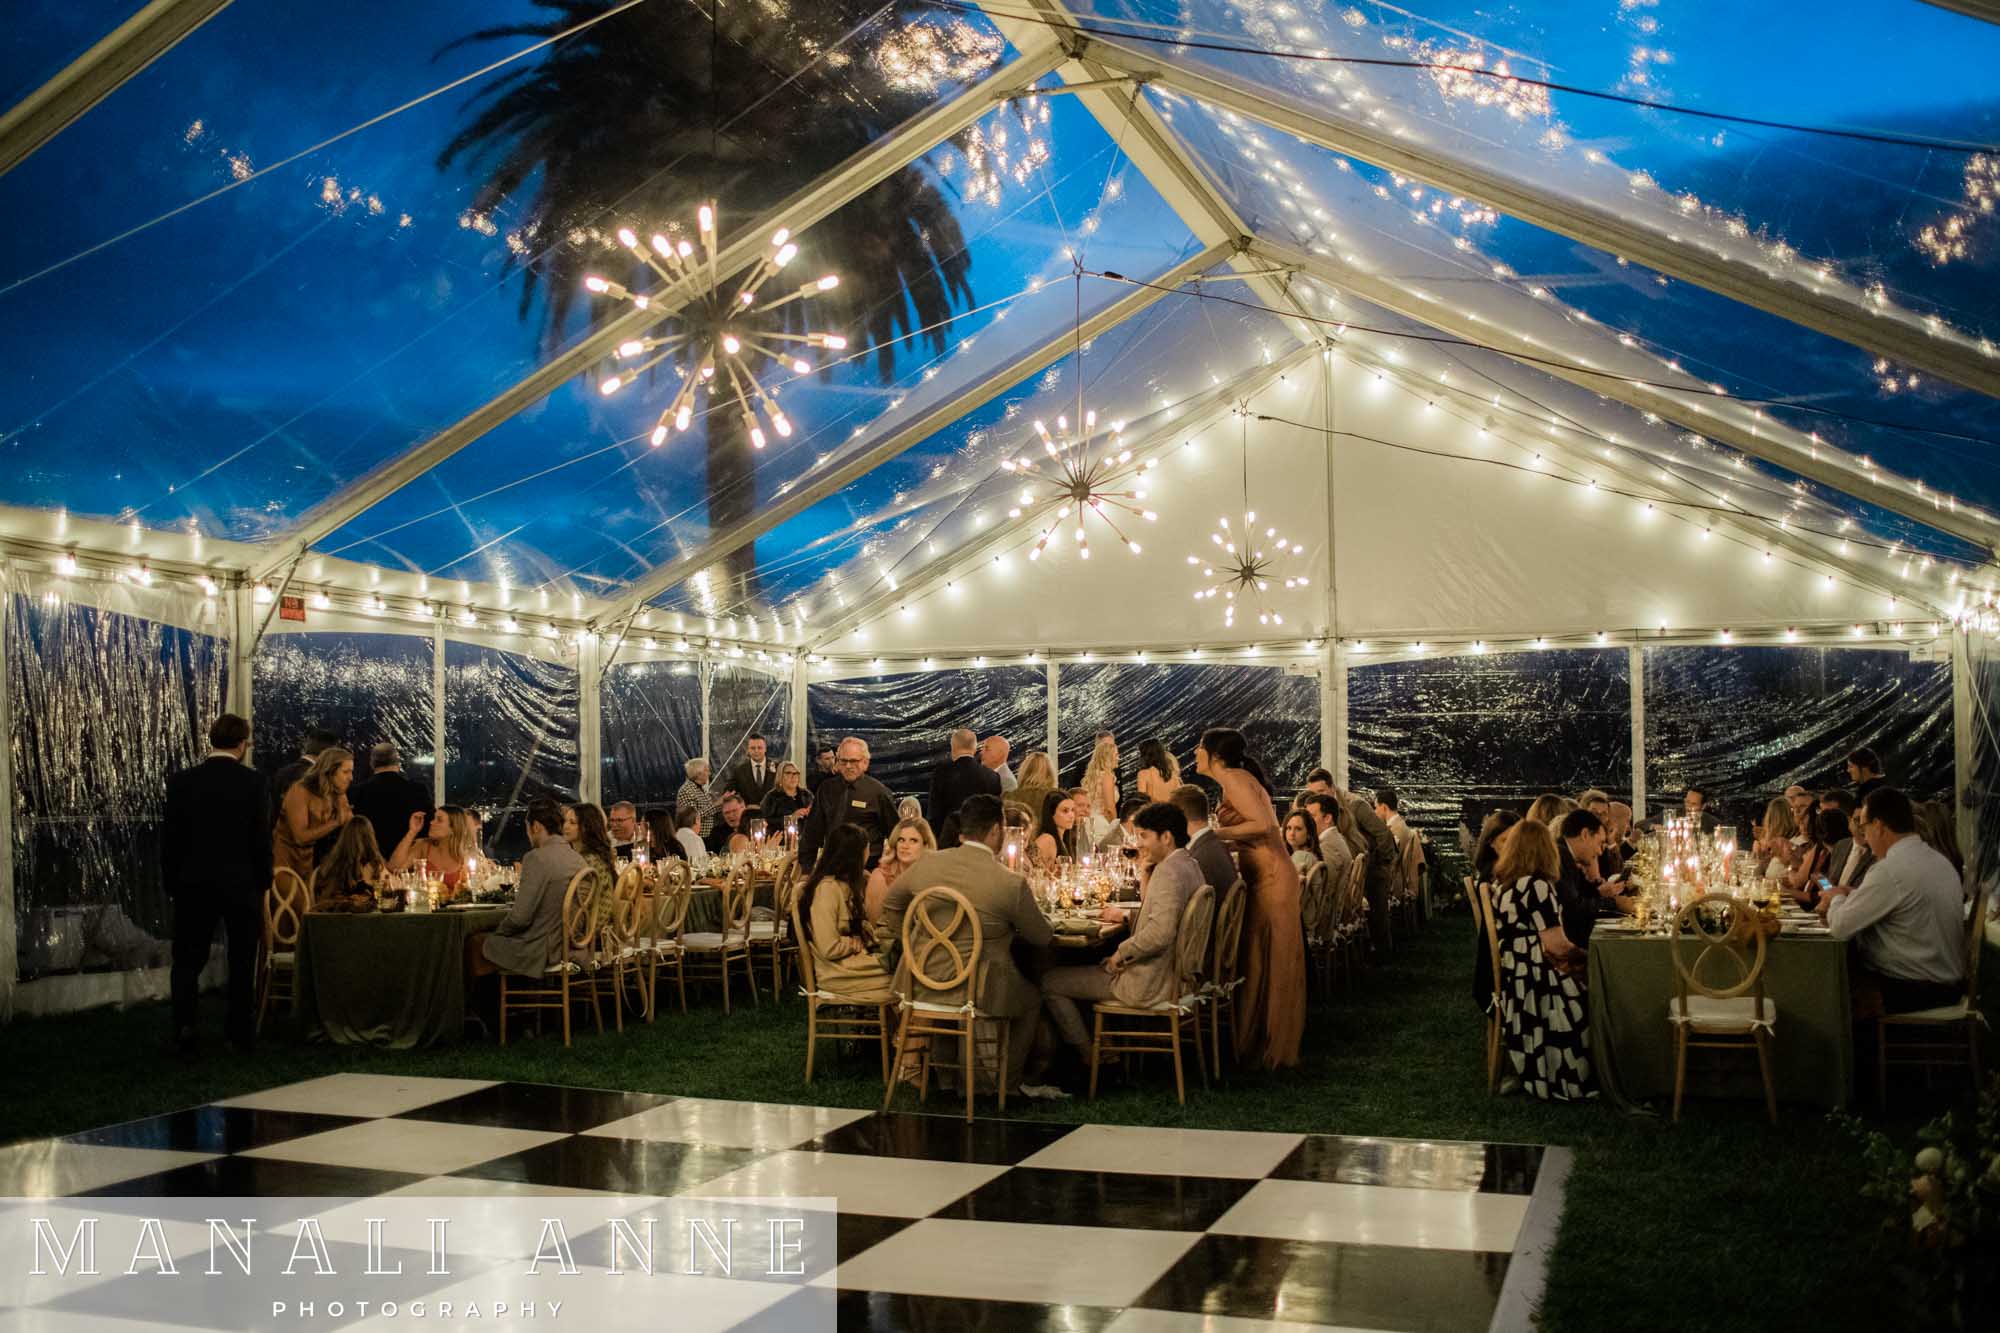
(528, 940)
(1210, 853)
(1006, 911)
(1850, 859)
(1382, 862)
(1142, 971)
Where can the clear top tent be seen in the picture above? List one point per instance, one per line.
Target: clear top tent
(1613, 386)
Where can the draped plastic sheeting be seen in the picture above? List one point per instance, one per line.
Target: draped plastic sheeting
(1278, 714)
(1979, 816)
(103, 707)
(1745, 723)
(1460, 737)
(650, 725)
(364, 688)
(742, 702)
(906, 719)
(510, 725)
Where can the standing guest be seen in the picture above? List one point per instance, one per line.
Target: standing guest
(751, 776)
(728, 826)
(623, 821)
(851, 797)
(1325, 811)
(387, 798)
(1038, 779)
(1159, 772)
(1907, 920)
(1058, 836)
(1218, 867)
(687, 833)
(354, 866)
(1543, 1019)
(1006, 912)
(1142, 970)
(910, 839)
(828, 768)
(787, 799)
(1271, 1014)
(315, 808)
(1864, 770)
(1388, 807)
(1100, 775)
(215, 862)
(993, 755)
(444, 845)
(959, 776)
(1302, 840)
(847, 962)
(694, 791)
(1321, 781)
(316, 740)
(1379, 850)
(528, 940)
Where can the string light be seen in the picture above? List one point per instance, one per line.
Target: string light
(713, 338)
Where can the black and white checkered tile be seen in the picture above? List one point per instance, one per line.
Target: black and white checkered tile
(993, 1224)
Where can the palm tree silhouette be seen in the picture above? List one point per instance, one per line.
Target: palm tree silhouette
(645, 114)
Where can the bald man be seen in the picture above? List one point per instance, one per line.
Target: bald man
(993, 753)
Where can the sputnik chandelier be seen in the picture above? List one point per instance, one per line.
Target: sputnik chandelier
(717, 332)
(1242, 568)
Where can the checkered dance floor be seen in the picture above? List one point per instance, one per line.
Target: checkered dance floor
(995, 1224)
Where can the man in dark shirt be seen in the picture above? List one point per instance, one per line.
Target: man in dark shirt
(959, 776)
(1581, 888)
(1864, 770)
(849, 797)
(387, 797)
(728, 823)
(215, 861)
(752, 776)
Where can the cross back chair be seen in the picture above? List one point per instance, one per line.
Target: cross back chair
(660, 944)
(1225, 968)
(618, 956)
(576, 955)
(1353, 927)
(1946, 1035)
(777, 937)
(1733, 1015)
(712, 955)
(285, 904)
(1158, 1029)
(938, 964)
(1410, 883)
(845, 1019)
(1318, 916)
(1481, 897)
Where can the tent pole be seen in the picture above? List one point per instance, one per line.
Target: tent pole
(1329, 707)
(589, 736)
(800, 713)
(10, 960)
(1964, 735)
(1635, 673)
(242, 653)
(437, 712)
(1052, 675)
(1341, 666)
(706, 674)
(1333, 677)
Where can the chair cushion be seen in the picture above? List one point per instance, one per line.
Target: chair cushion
(710, 940)
(763, 930)
(284, 959)
(1944, 1013)
(1706, 1013)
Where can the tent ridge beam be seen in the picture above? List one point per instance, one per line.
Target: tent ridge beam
(1957, 358)
(844, 183)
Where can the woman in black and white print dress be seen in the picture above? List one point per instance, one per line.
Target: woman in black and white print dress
(1544, 1019)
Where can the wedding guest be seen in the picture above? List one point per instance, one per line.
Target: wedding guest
(1545, 1036)
(387, 797)
(662, 835)
(1486, 854)
(1801, 802)
(1058, 837)
(1388, 808)
(1772, 847)
(1321, 781)
(1006, 912)
(355, 865)
(441, 844)
(622, 819)
(1218, 866)
(993, 755)
(1850, 859)
(1907, 920)
(583, 828)
(1813, 861)
(215, 861)
(1940, 832)
(687, 832)
(314, 809)
(827, 767)
(1618, 832)
(1123, 834)
(530, 937)
(847, 961)
(1610, 860)
(1037, 780)
(728, 826)
(1159, 772)
(1327, 814)
(316, 740)
(751, 776)
(1864, 770)
(1302, 840)
(851, 797)
(1271, 1007)
(1583, 889)
(1100, 775)
(909, 840)
(1380, 853)
(1547, 809)
(694, 791)
(1695, 803)
(786, 799)
(959, 776)
(1092, 825)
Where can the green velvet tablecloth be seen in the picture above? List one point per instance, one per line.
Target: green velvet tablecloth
(1631, 1042)
(704, 911)
(394, 980)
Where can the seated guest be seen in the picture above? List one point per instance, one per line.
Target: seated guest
(1142, 969)
(1907, 920)
(687, 826)
(910, 839)
(1057, 836)
(1618, 832)
(531, 936)
(387, 797)
(846, 959)
(959, 776)
(583, 828)
(695, 792)
(1695, 803)
(1006, 911)
(443, 848)
(740, 842)
(1850, 859)
(1939, 831)
(1486, 853)
(1584, 891)
(1159, 772)
(1802, 803)
(312, 812)
(1218, 867)
(1122, 835)
(1547, 809)
(622, 821)
(354, 867)
(1037, 780)
(786, 800)
(1544, 1032)
(1610, 861)
(1772, 847)
(909, 807)
(1327, 814)
(661, 836)
(1814, 860)
(1091, 826)
(1302, 841)
(730, 824)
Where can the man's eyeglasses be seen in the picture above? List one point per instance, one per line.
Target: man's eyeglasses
(848, 759)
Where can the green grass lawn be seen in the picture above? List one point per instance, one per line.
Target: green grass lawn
(1753, 1227)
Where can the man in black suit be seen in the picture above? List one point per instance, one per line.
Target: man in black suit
(1583, 890)
(215, 859)
(958, 777)
(752, 776)
(1210, 853)
(317, 739)
(387, 798)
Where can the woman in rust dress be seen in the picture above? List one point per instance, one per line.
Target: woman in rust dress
(1271, 1012)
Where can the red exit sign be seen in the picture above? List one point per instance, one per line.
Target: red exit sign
(292, 608)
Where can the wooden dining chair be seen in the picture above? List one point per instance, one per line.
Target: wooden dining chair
(715, 955)
(938, 965)
(285, 904)
(1353, 929)
(1159, 1029)
(1224, 973)
(1409, 884)
(1481, 897)
(776, 939)
(566, 977)
(830, 1016)
(1946, 1036)
(1318, 918)
(1731, 1014)
(661, 944)
(619, 960)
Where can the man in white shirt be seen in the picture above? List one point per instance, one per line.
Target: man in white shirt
(1907, 920)
(993, 753)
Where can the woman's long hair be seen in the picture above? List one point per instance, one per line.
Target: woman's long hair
(593, 835)
(1490, 833)
(1101, 762)
(354, 850)
(1547, 808)
(458, 842)
(1065, 838)
(891, 865)
(1036, 771)
(319, 778)
(1228, 745)
(844, 857)
(1156, 756)
(1312, 834)
(1528, 850)
(661, 829)
(1778, 822)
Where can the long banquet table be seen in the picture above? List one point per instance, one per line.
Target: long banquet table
(1631, 1041)
(394, 980)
